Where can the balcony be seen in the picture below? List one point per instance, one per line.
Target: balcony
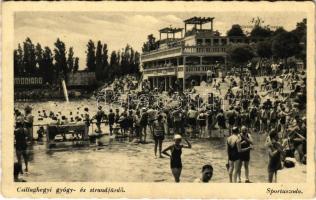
(200, 50)
(161, 53)
(162, 71)
(186, 50)
(198, 69)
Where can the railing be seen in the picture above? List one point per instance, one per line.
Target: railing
(199, 68)
(160, 52)
(198, 49)
(186, 49)
(162, 70)
(180, 68)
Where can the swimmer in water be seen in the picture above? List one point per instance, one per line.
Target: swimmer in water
(175, 157)
(207, 173)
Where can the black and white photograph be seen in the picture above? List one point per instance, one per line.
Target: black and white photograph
(156, 97)
(158, 100)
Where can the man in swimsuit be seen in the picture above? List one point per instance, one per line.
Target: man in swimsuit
(21, 136)
(28, 123)
(111, 118)
(233, 155)
(100, 115)
(175, 157)
(159, 134)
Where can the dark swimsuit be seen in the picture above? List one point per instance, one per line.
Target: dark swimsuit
(159, 131)
(20, 139)
(244, 156)
(275, 163)
(175, 159)
(233, 154)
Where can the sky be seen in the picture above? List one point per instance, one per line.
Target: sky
(117, 29)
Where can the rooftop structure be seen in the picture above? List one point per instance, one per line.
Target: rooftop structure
(198, 21)
(170, 30)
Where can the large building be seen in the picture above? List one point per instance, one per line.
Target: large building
(198, 51)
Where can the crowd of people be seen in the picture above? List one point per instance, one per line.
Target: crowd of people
(238, 108)
(46, 94)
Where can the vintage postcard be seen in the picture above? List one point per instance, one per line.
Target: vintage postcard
(158, 100)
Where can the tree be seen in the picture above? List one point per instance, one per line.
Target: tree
(39, 59)
(91, 65)
(18, 61)
(125, 60)
(285, 45)
(114, 64)
(48, 66)
(29, 60)
(239, 54)
(98, 60)
(105, 63)
(105, 55)
(70, 60)
(150, 44)
(300, 32)
(117, 69)
(235, 30)
(137, 62)
(20, 55)
(76, 65)
(260, 32)
(278, 31)
(264, 49)
(60, 58)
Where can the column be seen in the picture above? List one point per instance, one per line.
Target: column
(170, 82)
(154, 82)
(225, 59)
(165, 83)
(184, 72)
(201, 60)
(157, 82)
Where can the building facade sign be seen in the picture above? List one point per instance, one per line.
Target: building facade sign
(28, 81)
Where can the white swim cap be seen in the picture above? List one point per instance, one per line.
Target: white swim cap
(177, 137)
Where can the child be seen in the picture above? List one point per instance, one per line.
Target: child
(275, 152)
(40, 134)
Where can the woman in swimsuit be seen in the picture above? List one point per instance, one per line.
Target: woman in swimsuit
(175, 157)
(233, 155)
(244, 145)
